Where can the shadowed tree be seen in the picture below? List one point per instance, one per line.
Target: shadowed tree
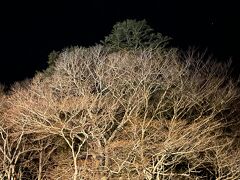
(132, 34)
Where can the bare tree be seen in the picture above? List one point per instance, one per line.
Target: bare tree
(143, 114)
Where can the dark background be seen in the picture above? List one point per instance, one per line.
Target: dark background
(29, 31)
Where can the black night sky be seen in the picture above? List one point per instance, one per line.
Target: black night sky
(31, 30)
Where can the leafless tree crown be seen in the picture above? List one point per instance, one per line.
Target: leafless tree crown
(143, 114)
